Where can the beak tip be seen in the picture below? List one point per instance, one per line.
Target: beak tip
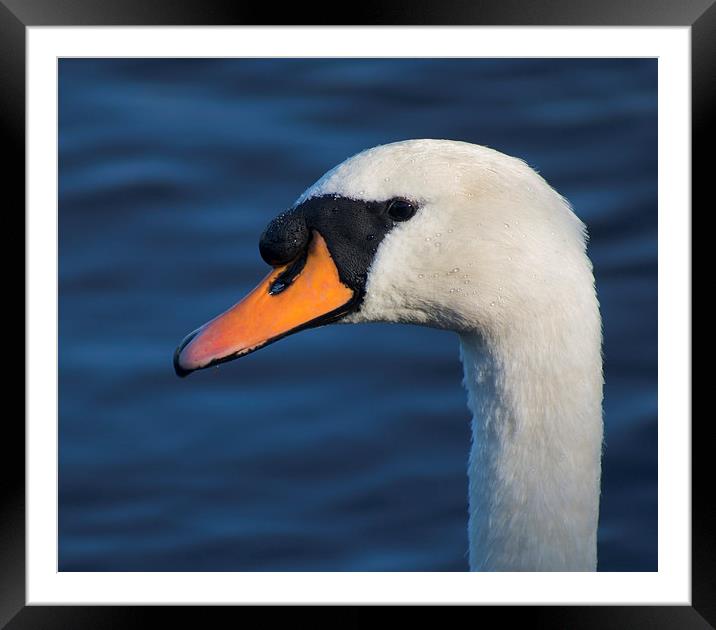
(179, 369)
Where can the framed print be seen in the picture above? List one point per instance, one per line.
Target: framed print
(482, 428)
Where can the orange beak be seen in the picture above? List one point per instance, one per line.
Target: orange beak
(285, 302)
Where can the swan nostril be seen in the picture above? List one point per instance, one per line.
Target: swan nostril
(285, 279)
(284, 239)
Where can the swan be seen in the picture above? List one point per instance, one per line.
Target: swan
(460, 237)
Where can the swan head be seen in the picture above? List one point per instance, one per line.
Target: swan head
(431, 232)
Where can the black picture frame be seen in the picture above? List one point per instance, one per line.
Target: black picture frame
(17, 15)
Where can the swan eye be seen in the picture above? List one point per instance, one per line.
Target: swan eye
(400, 210)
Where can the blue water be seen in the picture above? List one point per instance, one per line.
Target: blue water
(341, 448)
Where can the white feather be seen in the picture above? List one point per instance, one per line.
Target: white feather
(496, 255)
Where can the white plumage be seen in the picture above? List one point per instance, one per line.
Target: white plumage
(496, 255)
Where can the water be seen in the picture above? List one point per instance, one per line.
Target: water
(342, 448)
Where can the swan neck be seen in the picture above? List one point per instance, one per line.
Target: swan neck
(535, 459)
